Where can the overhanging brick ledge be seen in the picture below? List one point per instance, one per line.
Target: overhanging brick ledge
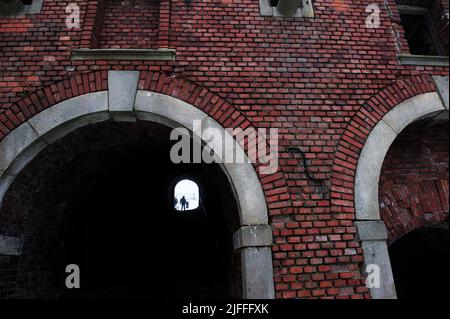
(422, 60)
(124, 54)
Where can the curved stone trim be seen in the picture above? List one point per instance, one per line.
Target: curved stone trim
(190, 92)
(22, 144)
(356, 133)
(371, 229)
(243, 177)
(377, 145)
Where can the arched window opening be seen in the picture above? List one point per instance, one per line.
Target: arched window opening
(186, 195)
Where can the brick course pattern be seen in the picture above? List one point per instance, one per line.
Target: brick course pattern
(119, 27)
(324, 82)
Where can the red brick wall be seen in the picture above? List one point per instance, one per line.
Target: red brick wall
(323, 82)
(130, 24)
(414, 179)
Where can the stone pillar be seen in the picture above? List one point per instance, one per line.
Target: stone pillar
(254, 244)
(373, 236)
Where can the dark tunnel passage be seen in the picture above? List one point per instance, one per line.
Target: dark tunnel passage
(102, 198)
(420, 263)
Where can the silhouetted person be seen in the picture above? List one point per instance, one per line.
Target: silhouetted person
(183, 202)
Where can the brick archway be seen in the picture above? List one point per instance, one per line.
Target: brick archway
(50, 113)
(360, 155)
(355, 136)
(274, 186)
